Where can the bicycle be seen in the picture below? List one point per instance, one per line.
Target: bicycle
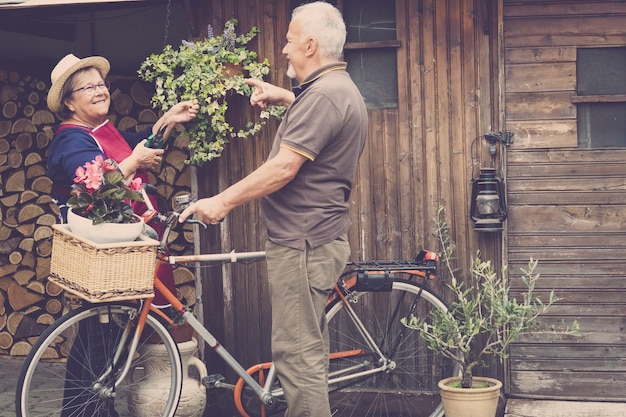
(377, 366)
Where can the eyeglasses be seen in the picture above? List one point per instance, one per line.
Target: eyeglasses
(90, 89)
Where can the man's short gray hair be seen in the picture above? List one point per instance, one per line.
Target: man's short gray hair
(323, 22)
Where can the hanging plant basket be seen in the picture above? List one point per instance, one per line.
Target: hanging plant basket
(209, 70)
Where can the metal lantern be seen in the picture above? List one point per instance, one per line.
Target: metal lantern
(488, 204)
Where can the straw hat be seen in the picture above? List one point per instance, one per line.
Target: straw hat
(65, 68)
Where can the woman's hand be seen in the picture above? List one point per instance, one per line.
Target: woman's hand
(146, 158)
(141, 158)
(183, 112)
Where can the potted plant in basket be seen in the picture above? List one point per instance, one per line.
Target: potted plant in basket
(210, 70)
(483, 319)
(99, 208)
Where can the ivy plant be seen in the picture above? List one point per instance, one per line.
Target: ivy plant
(210, 70)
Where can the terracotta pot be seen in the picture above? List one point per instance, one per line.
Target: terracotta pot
(105, 232)
(470, 402)
(230, 70)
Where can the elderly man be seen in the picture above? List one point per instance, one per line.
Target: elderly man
(304, 187)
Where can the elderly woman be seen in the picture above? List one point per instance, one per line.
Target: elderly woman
(80, 97)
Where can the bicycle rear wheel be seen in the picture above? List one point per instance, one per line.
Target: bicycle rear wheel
(72, 370)
(409, 386)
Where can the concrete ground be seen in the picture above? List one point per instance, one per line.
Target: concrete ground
(9, 372)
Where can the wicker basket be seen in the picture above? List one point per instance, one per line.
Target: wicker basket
(102, 272)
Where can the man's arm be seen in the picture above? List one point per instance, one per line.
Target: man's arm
(268, 178)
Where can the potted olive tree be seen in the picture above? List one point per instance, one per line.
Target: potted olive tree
(484, 318)
(211, 70)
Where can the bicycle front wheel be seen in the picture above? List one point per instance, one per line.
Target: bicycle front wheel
(408, 385)
(76, 368)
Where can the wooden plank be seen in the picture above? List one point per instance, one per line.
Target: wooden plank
(565, 284)
(540, 55)
(428, 133)
(377, 178)
(560, 8)
(588, 358)
(417, 107)
(556, 76)
(549, 156)
(582, 185)
(590, 251)
(540, 105)
(588, 41)
(406, 160)
(555, 133)
(471, 117)
(576, 219)
(591, 268)
(616, 98)
(564, 239)
(577, 364)
(566, 197)
(570, 385)
(555, 28)
(534, 408)
(568, 169)
(373, 44)
(593, 302)
(365, 193)
(579, 351)
(601, 29)
(567, 310)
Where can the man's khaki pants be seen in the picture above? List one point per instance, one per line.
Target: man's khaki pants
(300, 282)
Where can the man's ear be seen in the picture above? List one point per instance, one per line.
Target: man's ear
(311, 46)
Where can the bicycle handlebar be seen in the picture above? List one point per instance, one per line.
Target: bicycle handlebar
(169, 219)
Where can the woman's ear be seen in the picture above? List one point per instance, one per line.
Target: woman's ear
(68, 105)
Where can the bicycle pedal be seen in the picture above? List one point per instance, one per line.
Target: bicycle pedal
(209, 381)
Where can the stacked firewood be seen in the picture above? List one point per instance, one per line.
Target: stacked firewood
(28, 302)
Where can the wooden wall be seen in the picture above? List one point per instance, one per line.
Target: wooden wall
(419, 156)
(566, 204)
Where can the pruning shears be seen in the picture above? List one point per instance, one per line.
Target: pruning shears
(155, 140)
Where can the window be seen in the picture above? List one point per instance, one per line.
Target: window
(371, 50)
(601, 97)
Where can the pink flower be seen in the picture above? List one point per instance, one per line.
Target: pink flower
(80, 175)
(136, 184)
(108, 165)
(108, 189)
(91, 174)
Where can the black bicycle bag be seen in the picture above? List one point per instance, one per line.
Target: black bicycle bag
(378, 281)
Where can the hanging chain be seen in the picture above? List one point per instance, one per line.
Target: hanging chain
(166, 35)
(167, 22)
